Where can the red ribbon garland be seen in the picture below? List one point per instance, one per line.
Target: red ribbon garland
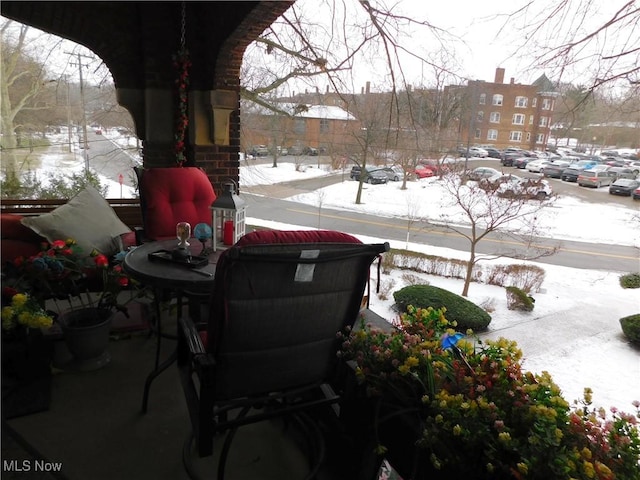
(182, 63)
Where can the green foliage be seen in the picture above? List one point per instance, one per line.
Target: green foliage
(527, 277)
(631, 327)
(464, 313)
(517, 299)
(57, 186)
(630, 280)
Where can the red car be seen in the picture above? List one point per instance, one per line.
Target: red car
(424, 172)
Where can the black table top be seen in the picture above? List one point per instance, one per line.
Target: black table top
(168, 275)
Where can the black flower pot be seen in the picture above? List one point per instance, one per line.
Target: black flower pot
(86, 334)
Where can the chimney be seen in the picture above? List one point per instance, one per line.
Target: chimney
(513, 80)
(368, 88)
(327, 89)
(499, 75)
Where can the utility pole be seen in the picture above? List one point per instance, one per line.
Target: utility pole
(84, 114)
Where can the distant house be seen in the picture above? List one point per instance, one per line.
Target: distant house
(298, 127)
(507, 114)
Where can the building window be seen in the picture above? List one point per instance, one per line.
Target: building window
(483, 99)
(492, 135)
(478, 133)
(534, 102)
(515, 136)
(324, 125)
(546, 104)
(540, 138)
(521, 102)
(530, 119)
(518, 119)
(497, 99)
(494, 117)
(543, 122)
(480, 116)
(300, 126)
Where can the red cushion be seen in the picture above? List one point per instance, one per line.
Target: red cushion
(18, 240)
(175, 194)
(295, 236)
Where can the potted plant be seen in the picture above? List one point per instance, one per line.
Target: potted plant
(26, 356)
(81, 290)
(448, 406)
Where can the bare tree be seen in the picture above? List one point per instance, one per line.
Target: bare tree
(488, 208)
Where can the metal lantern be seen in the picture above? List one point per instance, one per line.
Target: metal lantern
(228, 217)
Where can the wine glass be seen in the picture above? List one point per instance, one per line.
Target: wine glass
(183, 233)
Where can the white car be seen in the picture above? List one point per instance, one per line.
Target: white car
(478, 152)
(536, 166)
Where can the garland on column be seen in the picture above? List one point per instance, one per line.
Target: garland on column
(182, 63)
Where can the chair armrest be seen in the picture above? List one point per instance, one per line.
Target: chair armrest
(191, 336)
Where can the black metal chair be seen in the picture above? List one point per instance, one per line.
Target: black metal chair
(269, 347)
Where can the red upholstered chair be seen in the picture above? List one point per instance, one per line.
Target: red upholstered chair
(171, 195)
(269, 346)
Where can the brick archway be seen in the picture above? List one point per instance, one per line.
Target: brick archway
(137, 40)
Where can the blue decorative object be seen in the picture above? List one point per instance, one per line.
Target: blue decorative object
(450, 341)
(203, 232)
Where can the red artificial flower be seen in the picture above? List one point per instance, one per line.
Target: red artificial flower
(57, 244)
(101, 261)
(123, 281)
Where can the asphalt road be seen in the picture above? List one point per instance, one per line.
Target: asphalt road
(266, 202)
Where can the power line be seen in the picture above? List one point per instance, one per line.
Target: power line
(84, 113)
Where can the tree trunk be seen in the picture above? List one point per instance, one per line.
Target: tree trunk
(470, 264)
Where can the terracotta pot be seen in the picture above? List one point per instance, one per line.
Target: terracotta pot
(86, 334)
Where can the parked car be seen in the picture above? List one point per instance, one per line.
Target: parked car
(555, 168)
(636, 194)
(493, 152)
(372, 174)
(424, 171)
(615, 162)
(509, 157)
(483, 172)
(513, 185)
(635, 166)
(570, 174)
(521, 162)
(478, 152)
(624, 186)
(259, 151)
(536, 166)
(622, 172)
(394, 173)
(595, 178)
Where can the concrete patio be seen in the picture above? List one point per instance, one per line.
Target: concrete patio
(94, 428)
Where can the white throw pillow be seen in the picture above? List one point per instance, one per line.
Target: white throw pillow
(87, 218)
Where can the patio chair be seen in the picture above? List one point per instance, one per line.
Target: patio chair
(169, 195)
(269, 347)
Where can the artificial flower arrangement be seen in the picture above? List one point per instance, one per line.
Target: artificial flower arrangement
(24, 313)
(468, 409)
(66, 278)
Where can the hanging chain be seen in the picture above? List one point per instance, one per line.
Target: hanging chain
(183, 25)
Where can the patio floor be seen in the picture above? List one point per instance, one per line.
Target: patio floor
(95, 430)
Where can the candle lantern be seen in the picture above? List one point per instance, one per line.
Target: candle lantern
(228, 217)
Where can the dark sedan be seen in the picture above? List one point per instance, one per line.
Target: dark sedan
(555, 169)
(570, 174)
(623, 186)
(521, 162)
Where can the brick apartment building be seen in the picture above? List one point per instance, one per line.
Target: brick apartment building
(507, 114)
(324, 127)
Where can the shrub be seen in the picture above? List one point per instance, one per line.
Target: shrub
(630, 280)
(631, 327)
(517, 299)
(465, 314)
